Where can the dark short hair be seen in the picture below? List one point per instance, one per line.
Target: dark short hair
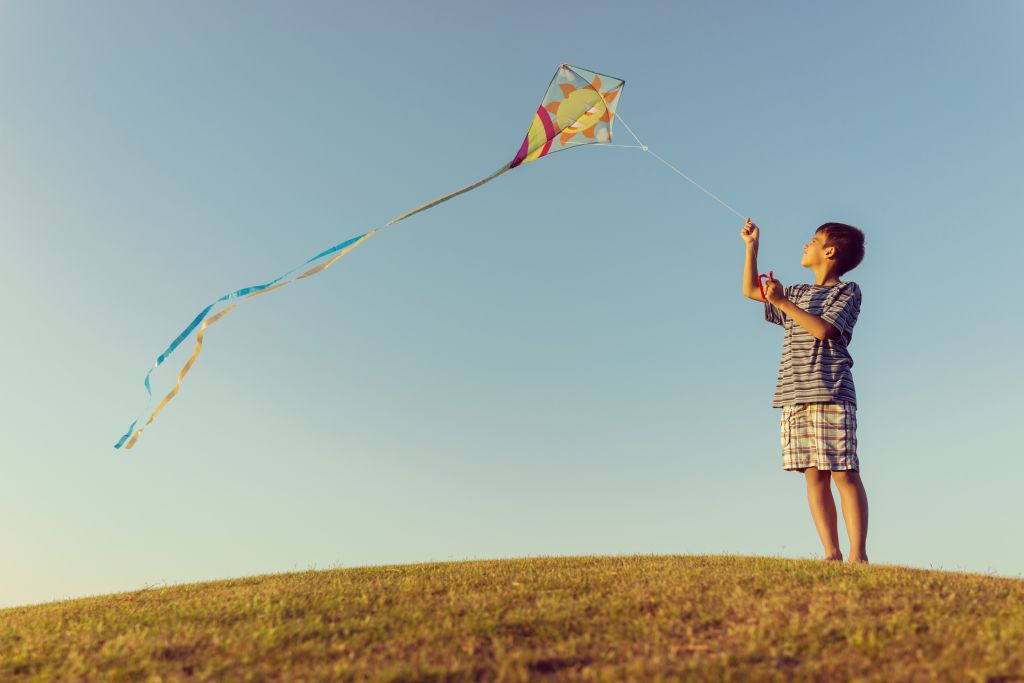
(848, 242)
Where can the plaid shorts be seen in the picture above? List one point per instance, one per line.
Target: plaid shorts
(820, 435)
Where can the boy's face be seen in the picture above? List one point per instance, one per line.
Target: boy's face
(815, 252)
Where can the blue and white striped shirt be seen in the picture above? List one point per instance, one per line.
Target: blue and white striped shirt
(812, 370)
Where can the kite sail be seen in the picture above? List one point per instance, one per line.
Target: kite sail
(578, 109)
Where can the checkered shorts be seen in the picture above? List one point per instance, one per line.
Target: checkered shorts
(820, 435)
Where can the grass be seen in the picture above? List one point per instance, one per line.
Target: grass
(652, 618)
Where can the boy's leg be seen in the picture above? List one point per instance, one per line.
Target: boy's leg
(855, 512)
(823, 509)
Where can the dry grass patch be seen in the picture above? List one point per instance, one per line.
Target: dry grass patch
(692, 618)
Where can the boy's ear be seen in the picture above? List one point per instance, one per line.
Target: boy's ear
(830, 252)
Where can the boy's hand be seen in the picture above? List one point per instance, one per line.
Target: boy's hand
(750, 233)
(774, 291)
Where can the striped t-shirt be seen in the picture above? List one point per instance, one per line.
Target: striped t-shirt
(812, 370)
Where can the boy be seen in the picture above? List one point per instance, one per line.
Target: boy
(815, 385)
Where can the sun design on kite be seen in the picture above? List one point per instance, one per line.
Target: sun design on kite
(576, 107)
(582, 109)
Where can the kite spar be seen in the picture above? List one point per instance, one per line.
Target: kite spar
(578, 109)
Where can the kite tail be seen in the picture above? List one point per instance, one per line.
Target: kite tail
(181, 376)
(131, 436)
(445, 198)
(424, 207)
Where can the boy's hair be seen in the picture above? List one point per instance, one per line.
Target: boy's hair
(848, 242)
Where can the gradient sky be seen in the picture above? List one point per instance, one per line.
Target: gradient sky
(558, 363)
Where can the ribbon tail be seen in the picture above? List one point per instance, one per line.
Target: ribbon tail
(128, 440)
(181, 375)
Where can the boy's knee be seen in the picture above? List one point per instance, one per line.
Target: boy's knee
(814, 475)
(846, 477)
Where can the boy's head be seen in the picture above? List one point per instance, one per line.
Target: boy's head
(837, 245)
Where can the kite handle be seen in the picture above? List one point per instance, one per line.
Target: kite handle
(760, 282)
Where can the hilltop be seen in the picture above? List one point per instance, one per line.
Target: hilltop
(691, 618)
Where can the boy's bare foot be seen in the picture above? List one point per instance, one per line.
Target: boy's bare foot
(859, 559)
(836, 557)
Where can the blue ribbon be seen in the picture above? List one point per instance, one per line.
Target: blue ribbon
(245, 291)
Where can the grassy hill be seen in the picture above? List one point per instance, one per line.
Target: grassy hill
(691, 618)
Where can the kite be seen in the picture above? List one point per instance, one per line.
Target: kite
(578, 109)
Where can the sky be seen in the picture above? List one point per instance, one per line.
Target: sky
(559, 363)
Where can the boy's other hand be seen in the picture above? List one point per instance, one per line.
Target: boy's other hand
(750, 233)
(774, 291)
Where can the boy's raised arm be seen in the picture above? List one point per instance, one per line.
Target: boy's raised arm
(751, 235)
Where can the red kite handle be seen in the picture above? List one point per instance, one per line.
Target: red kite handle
(760, 278)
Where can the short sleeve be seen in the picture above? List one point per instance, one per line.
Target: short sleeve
(842, 308)
(772, 313)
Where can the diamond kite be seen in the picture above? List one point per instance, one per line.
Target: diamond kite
(578, 109)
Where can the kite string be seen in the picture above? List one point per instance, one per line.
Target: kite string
(642, 145)
(655, 155)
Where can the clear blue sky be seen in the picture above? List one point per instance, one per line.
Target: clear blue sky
(558, 363)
